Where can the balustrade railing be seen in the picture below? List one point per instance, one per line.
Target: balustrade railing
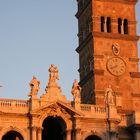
(9, 103)
(93, 108)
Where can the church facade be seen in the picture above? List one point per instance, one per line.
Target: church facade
(106, 100)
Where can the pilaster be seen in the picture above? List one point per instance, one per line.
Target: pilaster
(34, 133)
(78, 134)
(39, 133)
(68, 134)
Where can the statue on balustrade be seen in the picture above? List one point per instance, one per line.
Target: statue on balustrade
(34, 85)
(76, 92)
(109, 96)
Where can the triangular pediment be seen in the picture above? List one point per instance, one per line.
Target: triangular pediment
(57, 107)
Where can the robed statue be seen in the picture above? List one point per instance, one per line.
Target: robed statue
(34, 85)
(109, 97)
(76, 91)
(53, 73)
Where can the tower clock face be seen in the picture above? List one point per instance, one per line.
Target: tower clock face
(116, 66)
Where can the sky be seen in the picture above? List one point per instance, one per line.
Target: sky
(33, 35)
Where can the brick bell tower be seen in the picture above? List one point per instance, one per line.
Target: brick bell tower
(108, 52)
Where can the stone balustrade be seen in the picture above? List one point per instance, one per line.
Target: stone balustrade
(11, 105)
(94, 110)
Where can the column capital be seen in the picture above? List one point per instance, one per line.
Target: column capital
(34, 128)
(78, 130)
(39, 129)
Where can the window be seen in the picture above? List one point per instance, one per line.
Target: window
(122, 26)
(102, 24)
(105, 24)
(125, 26)
(108, 24)
(119, 25)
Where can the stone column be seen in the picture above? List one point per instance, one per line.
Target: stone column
(78, 134)
(34, 133)
(122, 27)
(68, 135)
(39, 133)
(105, 25)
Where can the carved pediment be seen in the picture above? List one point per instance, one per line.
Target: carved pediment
(57, 109)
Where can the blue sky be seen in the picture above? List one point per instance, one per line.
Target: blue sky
(33, 35)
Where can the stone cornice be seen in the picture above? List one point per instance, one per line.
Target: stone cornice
(121, 1)
(99, 71)
(124, 112)
(99, 92)
(134, 59)
(99, 120)
(99, 56)
(135, 74)
(13, 114)
(102, 92)
(116, 36)
(135, 94)
(106, 35)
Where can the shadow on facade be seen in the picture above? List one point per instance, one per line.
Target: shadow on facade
(12, 135)
(54, 128)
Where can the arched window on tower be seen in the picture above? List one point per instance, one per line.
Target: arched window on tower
(108, 24)
(119, 25)
(125, 26)
(102, 24)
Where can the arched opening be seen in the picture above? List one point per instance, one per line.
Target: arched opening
(119, 25)
(102, 24)
(108, 22)
(54, 128)
(93, 137)
(125, 26)
(12, 135)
